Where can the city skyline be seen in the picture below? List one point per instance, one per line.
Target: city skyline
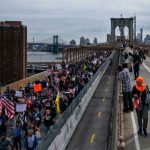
(73, 19)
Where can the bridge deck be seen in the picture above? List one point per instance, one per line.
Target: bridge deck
(92, 131)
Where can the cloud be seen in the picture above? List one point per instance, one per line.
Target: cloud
(73, 18)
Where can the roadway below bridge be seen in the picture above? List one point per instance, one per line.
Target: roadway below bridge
(92, 133)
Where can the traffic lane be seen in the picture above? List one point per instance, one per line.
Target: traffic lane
(83, 137)
(95, 121)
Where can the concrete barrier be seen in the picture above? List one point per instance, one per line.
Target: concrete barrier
(61, 140)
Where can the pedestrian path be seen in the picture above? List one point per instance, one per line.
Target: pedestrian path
(132, 139)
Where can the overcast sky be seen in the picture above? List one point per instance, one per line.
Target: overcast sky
(71, 19)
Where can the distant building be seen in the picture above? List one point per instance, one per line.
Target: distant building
(87, 41)
(147, 39)
(139, 38)
(73, 42)
(95, 41)
(108, 38)
(141, 31)
(84, 41)
(13, 51)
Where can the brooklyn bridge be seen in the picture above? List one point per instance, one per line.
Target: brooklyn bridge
(84, 94)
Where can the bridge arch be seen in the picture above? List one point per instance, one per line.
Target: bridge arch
(122, 22)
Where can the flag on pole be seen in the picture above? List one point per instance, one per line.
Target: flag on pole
(58, 103)
(9, 107)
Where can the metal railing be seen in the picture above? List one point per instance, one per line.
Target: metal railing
(56, 128)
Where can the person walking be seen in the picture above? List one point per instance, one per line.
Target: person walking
(124, 57)
(3, 124)
(48, 120)
(5, 144)
(139, 93)
(136, 64)
(17, 136)
(31, 140)
(141, 54)
(124, 76)
(130, 66)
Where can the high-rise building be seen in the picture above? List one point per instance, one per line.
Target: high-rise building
(108, 38)
(95, 41)
(87, 41)
(147, 39)
(141, 32)
(73, 42)
(13, 51)
(139, 38)
(84, 41)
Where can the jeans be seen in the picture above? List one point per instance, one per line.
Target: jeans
(142, 116)
(16, 141)
(136, 71)
(46, 129)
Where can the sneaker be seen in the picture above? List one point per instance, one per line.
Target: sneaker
(140, 132)
(145, 132)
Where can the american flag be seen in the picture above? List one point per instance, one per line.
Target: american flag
(9, 107)
(1, 106)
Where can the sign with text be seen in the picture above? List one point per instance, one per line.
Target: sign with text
(21, 107)
(18, 94)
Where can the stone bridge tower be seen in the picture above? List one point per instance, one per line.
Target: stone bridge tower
(122, 23)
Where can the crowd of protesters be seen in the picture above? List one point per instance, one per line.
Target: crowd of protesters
(39, 104)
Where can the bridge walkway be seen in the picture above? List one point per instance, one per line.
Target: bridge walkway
(93, 129)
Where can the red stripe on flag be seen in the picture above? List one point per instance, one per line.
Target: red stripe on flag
(9, 107)
(6, 104)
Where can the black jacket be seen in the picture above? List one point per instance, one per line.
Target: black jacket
(143, 94)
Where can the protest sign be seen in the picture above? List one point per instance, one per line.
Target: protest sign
(21, 107)
(18, 94)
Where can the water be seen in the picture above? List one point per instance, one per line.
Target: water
(43, 57)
